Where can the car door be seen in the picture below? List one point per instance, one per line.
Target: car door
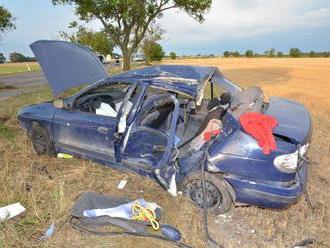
(85, 133)
(153, 150)
(94, 135)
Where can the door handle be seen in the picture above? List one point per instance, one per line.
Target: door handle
(103, 130)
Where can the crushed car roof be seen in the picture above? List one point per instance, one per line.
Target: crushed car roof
(191, 74)
(184, 78)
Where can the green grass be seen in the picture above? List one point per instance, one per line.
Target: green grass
(6, 132)
(11, 68)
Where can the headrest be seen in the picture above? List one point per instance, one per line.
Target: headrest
(223, 100)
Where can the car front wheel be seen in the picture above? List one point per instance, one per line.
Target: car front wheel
(218, 192)
(41, 141)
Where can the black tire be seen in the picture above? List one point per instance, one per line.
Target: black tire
(41, 141)
(220, 195)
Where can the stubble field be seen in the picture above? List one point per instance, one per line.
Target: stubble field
(48, 187)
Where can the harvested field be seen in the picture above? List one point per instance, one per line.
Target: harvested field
(48, 187)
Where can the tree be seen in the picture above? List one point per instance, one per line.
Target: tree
(127, 21)
(18, 57)
(236, 54)
(279, 54)
(249, 53)
(227, 54)
(98, 41)
(325, 54)
(295, 52)
(6, 20)
(272, 52)
(152, 37)
(173, 55)
(153, 51)
(2, 58)
(157, 52)
(312, 54)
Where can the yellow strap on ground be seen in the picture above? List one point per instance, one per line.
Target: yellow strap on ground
(142, 213)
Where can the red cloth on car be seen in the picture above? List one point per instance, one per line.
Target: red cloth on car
(260, 126)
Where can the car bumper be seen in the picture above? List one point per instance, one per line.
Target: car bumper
(270, 194)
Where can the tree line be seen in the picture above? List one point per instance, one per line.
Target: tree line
(132, 27)
(293, 52)
(16, 58)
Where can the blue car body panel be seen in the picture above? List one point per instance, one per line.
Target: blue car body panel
(67, 65)
(293, 118)
(233, 154)
(71, 130)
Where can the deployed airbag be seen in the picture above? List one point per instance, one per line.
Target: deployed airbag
(106, 110)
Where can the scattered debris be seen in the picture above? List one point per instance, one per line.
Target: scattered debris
(129, 210)
(225, 218)
(48, 233)
(11, 211)
(64, 155)
(305, 242)
(3, 119)
(45, 170)
(122, 184)
(28, 187)
(93, 210)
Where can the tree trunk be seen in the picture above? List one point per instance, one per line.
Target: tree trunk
(126, 61)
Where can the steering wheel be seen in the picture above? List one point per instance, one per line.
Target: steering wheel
(94, 103)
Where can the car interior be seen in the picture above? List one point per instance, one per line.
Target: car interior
(105, 101)
(192, 123)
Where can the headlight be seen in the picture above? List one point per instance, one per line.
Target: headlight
(287, 163)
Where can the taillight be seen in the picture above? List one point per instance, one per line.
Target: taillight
(288, 163)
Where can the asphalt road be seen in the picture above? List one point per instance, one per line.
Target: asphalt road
(23, 82)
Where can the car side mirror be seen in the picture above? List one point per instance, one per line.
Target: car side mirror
(58, 103)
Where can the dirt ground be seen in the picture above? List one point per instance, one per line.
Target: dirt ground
(48, 187)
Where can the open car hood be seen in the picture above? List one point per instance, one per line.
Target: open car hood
(67, 65)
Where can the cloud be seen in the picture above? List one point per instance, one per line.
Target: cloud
(238, 19)
(230, 24)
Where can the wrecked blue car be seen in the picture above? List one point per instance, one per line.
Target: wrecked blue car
(154, 120)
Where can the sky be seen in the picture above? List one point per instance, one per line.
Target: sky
(229, 25)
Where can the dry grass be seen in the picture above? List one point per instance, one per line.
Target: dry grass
(56, 183)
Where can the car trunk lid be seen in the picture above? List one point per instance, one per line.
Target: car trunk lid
(294, 120)
(67, 65)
